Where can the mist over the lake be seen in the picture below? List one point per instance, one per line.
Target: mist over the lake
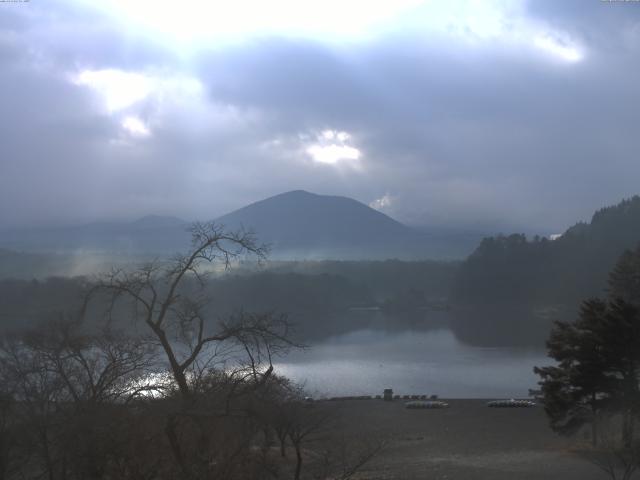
(433, 362)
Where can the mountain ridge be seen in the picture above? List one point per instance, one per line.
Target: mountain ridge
(297, 224)
(324, 226)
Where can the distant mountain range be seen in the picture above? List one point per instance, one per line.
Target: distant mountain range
(300, 225)
(296, 224)
(153, 234)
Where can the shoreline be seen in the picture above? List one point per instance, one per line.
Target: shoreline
(468, 440)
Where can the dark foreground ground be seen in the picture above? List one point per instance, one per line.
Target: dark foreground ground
(466, 441)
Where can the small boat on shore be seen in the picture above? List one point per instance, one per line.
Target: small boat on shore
(511, 403)
(428, 404)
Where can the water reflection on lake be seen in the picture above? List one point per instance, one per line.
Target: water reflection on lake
(412, 362)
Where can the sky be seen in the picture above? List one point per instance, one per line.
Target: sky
(496, 114)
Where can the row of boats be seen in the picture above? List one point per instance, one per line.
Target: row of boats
(511, 403)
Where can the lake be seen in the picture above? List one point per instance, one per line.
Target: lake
(412, 362)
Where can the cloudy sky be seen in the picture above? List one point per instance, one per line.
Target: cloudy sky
(494, 114)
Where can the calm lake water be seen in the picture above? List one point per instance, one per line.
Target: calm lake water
(365, 362)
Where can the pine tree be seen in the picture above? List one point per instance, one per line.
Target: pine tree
(577, 389)
(624, 279)
(598, 358)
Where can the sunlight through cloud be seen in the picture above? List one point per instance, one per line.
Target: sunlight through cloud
(206, 20)
(331, 148)
(135, 126)
(559, 49)
(118, 88)
(121, 90)
(189, 26)
(383, 203)
(332, 154)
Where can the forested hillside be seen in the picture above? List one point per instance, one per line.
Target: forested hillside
(321, 298)
(525, 284)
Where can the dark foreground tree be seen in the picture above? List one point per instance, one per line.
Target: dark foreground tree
(624, 279)
(598, 367)
(65, 399)
(596, 379)
(577, 388)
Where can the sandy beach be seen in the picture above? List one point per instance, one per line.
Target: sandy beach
(466, 441)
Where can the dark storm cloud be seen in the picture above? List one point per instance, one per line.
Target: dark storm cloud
(492, 133)
(542, 134)
(63, 158)
(67, 34)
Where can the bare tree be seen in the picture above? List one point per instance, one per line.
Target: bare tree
(92, 407)
(306, 424)
(61, 381)
(318, 436)
(345, 457)
(615, 456)
(175, 309)
(13, 453)
(207, 357)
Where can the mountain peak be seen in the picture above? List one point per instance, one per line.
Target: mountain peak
(304, 195)
(297, 193)
(306, 224)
